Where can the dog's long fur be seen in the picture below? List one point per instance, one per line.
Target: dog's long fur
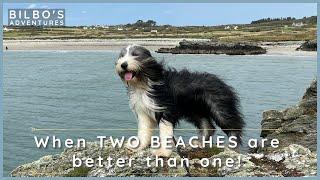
(162, 96)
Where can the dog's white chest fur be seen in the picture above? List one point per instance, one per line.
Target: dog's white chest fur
(140, 102)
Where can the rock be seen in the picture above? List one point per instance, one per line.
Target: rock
(294, 125)
(61, 165)
(311, 91)
(297, 157)
(294, 160)
(308, 46)
(210, 47)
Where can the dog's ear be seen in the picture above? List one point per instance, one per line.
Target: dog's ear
(141, 51)
(147, 52)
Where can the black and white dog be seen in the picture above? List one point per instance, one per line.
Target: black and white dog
(162, 96)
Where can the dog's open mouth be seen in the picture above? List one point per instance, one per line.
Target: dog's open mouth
(129, 75)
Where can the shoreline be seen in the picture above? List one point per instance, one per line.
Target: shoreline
(90, 44)
(273, 48)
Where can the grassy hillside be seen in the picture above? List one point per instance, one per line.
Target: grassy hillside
(260, 30)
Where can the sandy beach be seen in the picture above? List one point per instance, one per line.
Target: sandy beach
(273, 48)
(89, 44)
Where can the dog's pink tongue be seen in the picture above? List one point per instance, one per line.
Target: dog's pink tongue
(128, 76)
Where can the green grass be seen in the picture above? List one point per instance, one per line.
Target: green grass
(78, 172)
(249, 32)
(202, 153)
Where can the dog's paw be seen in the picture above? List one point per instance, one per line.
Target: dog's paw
(162, 152)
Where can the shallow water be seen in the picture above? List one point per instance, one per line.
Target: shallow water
(79, 89)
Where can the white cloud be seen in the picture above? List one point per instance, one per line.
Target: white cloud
(31, 6)
(83, 12)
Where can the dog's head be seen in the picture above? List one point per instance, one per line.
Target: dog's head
(136, 66)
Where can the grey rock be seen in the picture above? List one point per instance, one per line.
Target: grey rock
(211, 47)
(61, 165)
(308, 46)
(294, 160)
(294, 125)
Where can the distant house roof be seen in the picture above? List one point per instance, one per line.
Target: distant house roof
(7, 29)
(298, 24)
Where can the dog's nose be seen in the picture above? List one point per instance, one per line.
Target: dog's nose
(124, 65)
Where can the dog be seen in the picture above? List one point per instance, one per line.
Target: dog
(162, 96)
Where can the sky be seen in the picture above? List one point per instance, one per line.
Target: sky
(178, 14)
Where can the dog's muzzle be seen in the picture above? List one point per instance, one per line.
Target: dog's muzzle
(125, 73)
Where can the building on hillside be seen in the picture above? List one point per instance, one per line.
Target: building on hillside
(298, 24)
(7, 29)
(154, 31)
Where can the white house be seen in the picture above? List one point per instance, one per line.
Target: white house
(120, 29)
(227, 27)
(154, 31)
(235, 27)
(7, 29)
(298, 24)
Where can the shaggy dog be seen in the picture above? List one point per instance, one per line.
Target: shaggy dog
(162, 96)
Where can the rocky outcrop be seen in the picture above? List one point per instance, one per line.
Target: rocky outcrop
(295, 128)
(294, 125)
(294, 160)
(61, 164)
(308, 46)
(210, 47)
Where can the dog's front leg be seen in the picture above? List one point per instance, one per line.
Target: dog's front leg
(166, 138)
(146, 126)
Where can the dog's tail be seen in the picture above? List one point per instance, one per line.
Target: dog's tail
(226, 114)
